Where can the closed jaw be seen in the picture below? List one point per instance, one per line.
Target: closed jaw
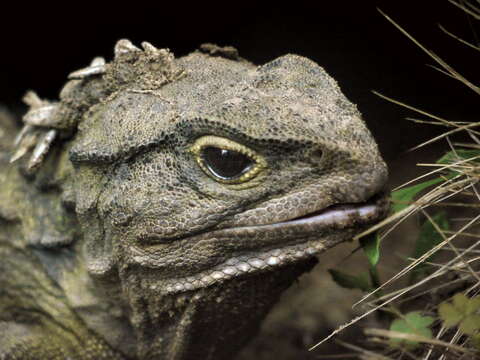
(345, 219)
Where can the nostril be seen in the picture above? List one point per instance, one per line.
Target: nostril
(316, 155)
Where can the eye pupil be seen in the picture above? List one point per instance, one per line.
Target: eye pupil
(224, 163)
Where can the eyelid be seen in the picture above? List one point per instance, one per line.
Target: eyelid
(223, 143)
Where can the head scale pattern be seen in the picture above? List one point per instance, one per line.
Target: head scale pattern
(142, 70)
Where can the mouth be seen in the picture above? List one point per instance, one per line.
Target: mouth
(337, 216)
(310, 235)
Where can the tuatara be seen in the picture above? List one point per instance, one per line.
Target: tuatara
(161, 206)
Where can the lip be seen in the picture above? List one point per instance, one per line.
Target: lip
(338, 216)
(339, 221)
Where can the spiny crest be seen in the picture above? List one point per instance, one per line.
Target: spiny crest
(131, 68)
(144, 70)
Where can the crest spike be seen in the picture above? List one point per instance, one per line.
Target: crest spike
(32, 99)
(124, 46)
(41, 149)
(98, 61)
(24, 146)
(149, 48)
(40, 116)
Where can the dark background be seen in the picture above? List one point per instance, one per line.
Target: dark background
(42, 43)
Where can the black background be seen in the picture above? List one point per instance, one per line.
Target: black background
(42, 43)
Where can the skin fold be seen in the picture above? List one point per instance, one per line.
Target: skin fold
(124, 234)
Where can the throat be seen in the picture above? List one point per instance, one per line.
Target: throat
(208, 323)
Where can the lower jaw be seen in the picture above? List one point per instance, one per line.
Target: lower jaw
(266, 261)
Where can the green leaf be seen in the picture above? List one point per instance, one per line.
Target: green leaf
(460, 301)
(449, 314)
(371, 247)
(473, 305)
(462, 311)
(402, 198)
(412, 323)
(475, 340)
(350, 281)
(375, 279)
(459, 155)
(405, 196)
(428, 238)
(470, 324)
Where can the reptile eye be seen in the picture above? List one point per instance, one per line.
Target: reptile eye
(226, 164)
(227, 161)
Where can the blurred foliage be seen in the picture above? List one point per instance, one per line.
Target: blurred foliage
(462, 312)
(413, 323)
(427, 239)
(348, 281)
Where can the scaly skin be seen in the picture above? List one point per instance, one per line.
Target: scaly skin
(117, 238)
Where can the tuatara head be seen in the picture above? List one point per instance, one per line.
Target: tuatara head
(204, 186)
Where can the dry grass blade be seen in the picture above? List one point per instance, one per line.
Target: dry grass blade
(436, 68)
(453, 131)
(401, 293)
(442, 63)
(412, 337)
(444, 121)
(467, 145)
(455, 177)
(418, 294)
(441, 168)
(338, 356)
(458, 38)
(421, 259)
(466, 234)
(370, 354)
(455, 250)
(439, 335)
(439, 123)
(426, 200)
(471, 6)
(475, 12)
(455, 267)
(448, 133)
